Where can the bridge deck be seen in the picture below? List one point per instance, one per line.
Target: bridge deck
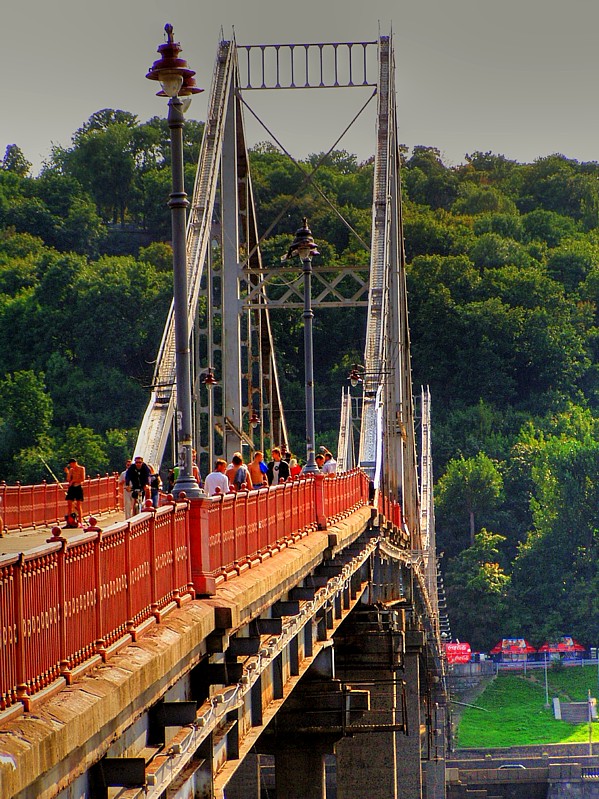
(73, 729)
(30, 538)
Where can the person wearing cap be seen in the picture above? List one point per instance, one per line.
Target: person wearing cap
(137, 479)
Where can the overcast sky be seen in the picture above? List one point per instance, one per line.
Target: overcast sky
(517, 77)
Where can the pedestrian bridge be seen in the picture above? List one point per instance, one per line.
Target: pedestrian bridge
(288, 634)
(211, 610)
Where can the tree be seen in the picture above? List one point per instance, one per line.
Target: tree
(491, 250)
(548, 226)
(428, 233)
(555, 572)
(571, 262)
(471, 487)
(436, 185)
(76, 223)
(102, 159)
(476, 586)
(85, 445)
(508, 226)
(14, 161)
(482, 200)
(26, 416)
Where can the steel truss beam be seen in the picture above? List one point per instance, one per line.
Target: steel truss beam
(328, 65)
(282, 287)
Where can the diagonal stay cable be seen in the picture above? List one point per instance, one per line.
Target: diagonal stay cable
(308, 176)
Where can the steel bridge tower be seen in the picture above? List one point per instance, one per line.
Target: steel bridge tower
(231, 291)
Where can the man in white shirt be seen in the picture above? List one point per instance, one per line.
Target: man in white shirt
(217, 479)
(330, 464)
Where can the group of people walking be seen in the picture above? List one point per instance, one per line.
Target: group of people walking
(139, 481)
(258, 474)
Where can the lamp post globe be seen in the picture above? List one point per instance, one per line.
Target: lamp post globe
(177, 81)
(305, 247)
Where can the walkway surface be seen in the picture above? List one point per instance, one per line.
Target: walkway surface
(31, 538)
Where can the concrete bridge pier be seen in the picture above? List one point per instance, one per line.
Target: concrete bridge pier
(300, 771)
(314, 717)
(409, 751)
(369, 654)
(434, 767)
(245, 783)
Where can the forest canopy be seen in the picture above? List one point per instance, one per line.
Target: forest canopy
(503, 281)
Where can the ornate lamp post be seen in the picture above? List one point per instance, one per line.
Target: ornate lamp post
(355, 375)
(209, 380)
(304, 246)
(177, 81)
(254, 420)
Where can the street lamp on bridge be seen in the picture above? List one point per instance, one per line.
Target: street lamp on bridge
(177, 81)
(355, 375)
(304, 246)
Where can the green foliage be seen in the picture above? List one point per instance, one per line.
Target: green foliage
(85, 445)
(503, 287)
(14, 161)
(548, 226)
(474, 199)
(119, 448)
(467, 493)
(476, 587)
(26, 410)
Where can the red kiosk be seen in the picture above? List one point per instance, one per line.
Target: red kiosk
(513, 650)
(564, 648)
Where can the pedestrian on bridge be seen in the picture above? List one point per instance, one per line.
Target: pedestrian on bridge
(127, 501)
(329, 466)
(258, 470)
(217, 481)
(75, 474)
(278, 469)
(155, 485)
(195, 469)
(238, 473)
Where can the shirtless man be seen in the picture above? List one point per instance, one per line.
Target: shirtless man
(258, 476)
(233, 470)
(75, 474)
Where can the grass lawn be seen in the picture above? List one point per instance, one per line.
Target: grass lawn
(514, 714)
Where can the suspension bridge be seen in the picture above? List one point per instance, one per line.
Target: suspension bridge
(283, 641)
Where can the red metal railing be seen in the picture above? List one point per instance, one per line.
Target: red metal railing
(344, 494)
(232, 531)
(41, 505)
(68, 601)
(391, 510)
(67, 604)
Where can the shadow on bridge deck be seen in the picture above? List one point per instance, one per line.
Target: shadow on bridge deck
(33, 537)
